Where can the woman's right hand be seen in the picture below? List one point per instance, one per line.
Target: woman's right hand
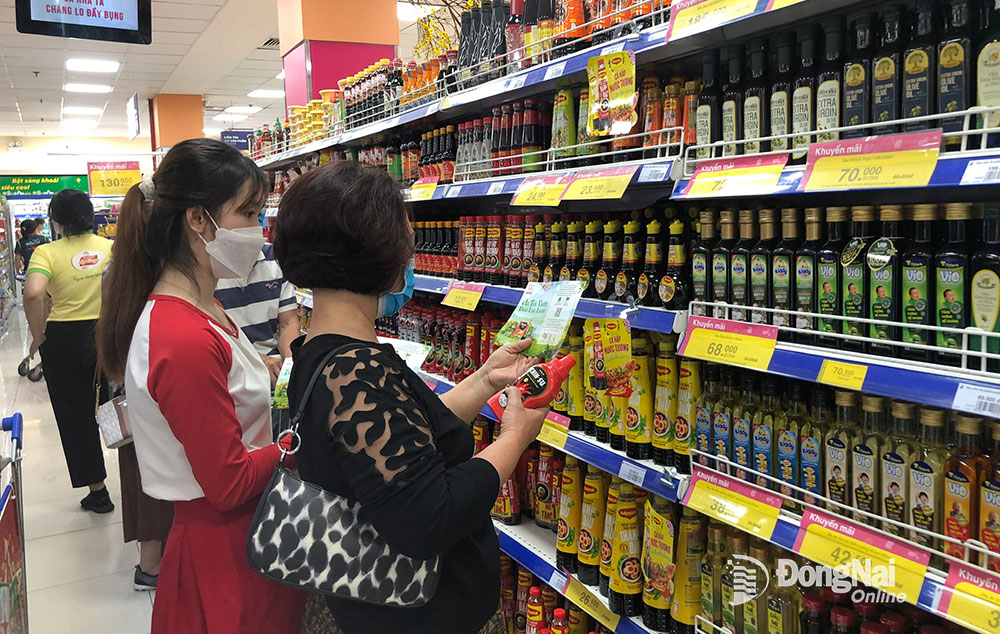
(519, 421)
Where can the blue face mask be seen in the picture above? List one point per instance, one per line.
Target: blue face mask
(391, 303)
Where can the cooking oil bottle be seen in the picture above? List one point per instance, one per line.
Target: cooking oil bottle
(763, 432)
(732, 613)
(712, 565)
(811, 438)
(927, 478)
(787, 432)
(964, 474)
(896, 466)
(839, 442)
(722, 419)
(665, 405)
(782, 612)
(704, 414)
(874, 442)
(743, 415)
(855, 292)
(755, 608)
(687, 578)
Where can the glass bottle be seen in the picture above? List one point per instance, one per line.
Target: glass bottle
(627, 277)
(920, 84)
(755, 608)
(647, 286)
(918, 280)
(887, 71)
(733, 612)
(952, 279)
(556, 253)
(763, 431)
(531, 139)
(721, 253)
(811, 439)
(704, 416)
(545, 30)
(515, 157)
(843, 621)
(885, 280)
(954, 70)
(610, 517)
(498, 39)
(530, 31)
(855, 292)
(611, 255)
(989, 504)
(574, 251)
(782, 609)
(514, 35)
(782, 273)
(625, 591)
(674, 287)
(755, 111)
(639, 409)
(732, 101)
(722, 418)
(896, 466)
(787, 432)
(830, 80)
(708, 120)
(872, 444)
(804, 97)
(702, 287)
(739, 266)
(806, 275)
(780, 101)
(927, 478)
(964, 474)
(591, 257)
(987, 71)
(712, 564)
(839, 441)
(760, 267)
(747, 407)
(857, 78)
(828, 274)
(813, 619)
(985, 301)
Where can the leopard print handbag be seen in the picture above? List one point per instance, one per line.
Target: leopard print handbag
(304, 536)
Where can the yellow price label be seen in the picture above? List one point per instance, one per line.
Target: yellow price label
(976, 607)
(781, 4)
(463, 295)
(553, 435)
(423, 191)
(583, 597)
(733, 502)
(902, 160)
(731, 348)
(698, 16)
(840, 374)
(743, 176)
(113, 178)
(607, 184)
(540, 192)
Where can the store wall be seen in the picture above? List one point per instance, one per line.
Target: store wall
(69, 155)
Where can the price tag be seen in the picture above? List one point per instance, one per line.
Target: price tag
(424, 188)
(614, 48)
(896, 567)
(516, 82)
(902, 160)
(774, 5)
(605, 184)
(840, 374)
(495, 188)
(583, 597)
(555, 70)
(980, 172)
(741, 505)
(557, 581)
(464, 295)
(113, 178)
(653, 174)
(688, 17)
(977, 399)
(730, 342)
(633, 473)
(972, 597)
(742, 176)
(392, 123)
(553, 435)
(453, 191)
(544, 191)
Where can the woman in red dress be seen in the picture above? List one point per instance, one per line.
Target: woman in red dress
(198, 394)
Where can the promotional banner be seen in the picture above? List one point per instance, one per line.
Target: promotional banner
(113, 178)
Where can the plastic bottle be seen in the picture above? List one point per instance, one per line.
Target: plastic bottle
(625, 584)
(811, 439)
(746, 410)
(704, 416)
(896, 466)
(524, 582)
(507, 508)
(657, 563)
(607, 541)
(591, 536)
(786, 432)
(538, 385)
(712, 564)
(989, 504)
(550, 599)
(755, 608)
(839, 442)
(545, 513)
(843, 621)
(686, 601)
(570, 502)
(639, 412)
(927, 478)
(813, 617)
(733, 613)
(688, 394)
(535, 611)
(560, 622)
(665, 405)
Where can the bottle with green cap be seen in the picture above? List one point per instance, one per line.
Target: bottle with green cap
(674, 287)
(652, 267)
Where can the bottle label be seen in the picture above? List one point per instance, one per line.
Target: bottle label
(703, 432)
(953, 76)
(720, 278)
(916, 310)
(657, 558)
(610, 516)
(958, 497)
(880, 280)
(565, 274)
(781, 281)
(779, 120)
(812, 466)
(788, 460)
(699, 276)
(584, 276)
(742, 435)
(601, 410)
(855, 97)
(601, 281)
(630, 254)
(707, 593)
(738, 271)
(723, 436)
(665, 403)
(626, 567)
(758, 286)
(763, 450)
(728, 599)
(854, 298)
(775, 617)
(642, 286)
(675, 255)
(666, 289)
(829, 300)
(751, 620)
(989, 520)
(805, 280)
(828, 110)
(752, 124)
(703, 125)
(729, 127)
(654, 254)
(986, 305)
(988, 81)
(885, 93)
(917, 86)
(894, 489)
(951, 300)
(865, 479)
(621, 284)
(924, 494)
(802, 119)
(838, 468)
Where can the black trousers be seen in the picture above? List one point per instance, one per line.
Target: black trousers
(69, 361)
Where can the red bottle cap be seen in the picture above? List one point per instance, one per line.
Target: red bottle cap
(866, 609)
(813, 602)
(835, 597)
(557, 465)
(870, 627)
(559, 614)
(894, 621)
(535, 591)
(545, 630)
(842, 617)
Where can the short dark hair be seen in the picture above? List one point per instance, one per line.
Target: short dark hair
(344, 226)
(28, 227)
(72, 209)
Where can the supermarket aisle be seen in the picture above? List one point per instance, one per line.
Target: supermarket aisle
(79, 572)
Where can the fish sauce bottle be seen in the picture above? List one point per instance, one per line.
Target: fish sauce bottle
(674, 288)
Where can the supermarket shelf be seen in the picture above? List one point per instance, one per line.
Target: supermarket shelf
(534, 548)
(654, 319)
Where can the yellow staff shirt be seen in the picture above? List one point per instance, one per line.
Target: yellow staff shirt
(74, 266)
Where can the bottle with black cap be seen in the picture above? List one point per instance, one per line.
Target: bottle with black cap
(708, 118)
(732, 102)
(780, 97)
(920, 69)
(804, 97)
(830, 80)
(887, 71)
(857, 73)
(755, 111)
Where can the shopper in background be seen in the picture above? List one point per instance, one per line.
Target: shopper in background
(198, 392)
(144, 519)
(31, 239)
(374, 432)
(69, 269)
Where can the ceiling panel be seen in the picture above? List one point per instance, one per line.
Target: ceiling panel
(180, 25)
(200, 11)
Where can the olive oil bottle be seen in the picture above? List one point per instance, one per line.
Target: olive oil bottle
(804, 97)
(896, 466)
(760, 266)
(985, 300)
(918, 282)
(721, 254)
(920, 69)
(702, 287)
(828, 275)
(955, 68)
(739, 267)
(780, 97)
(764, 458)
(885, 279)
(787, 431)
(708, 120)
(712, 564)
(874, 442)
(839, 442)
(806, 277)
(747, 408)
(811, 439)
(927, 478)
(704, 413)
(855, 292)
(755, 111)
(830, 80)
(964, 474)
(857, 78)
(782, 276)
(952, 279)
(988, 68)
(722, 418)
(732, 611)
(887, 68)
(732, 101)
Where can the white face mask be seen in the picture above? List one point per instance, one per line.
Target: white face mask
(234, 251)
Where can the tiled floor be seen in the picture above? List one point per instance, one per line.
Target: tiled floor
(79, 572)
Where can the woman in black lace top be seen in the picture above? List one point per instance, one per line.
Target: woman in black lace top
(374, 432)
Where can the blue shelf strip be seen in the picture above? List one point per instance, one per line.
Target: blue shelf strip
(652, 319)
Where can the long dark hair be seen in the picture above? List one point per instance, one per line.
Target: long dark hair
(196, 173)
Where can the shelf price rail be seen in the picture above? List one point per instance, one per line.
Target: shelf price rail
(827, 536)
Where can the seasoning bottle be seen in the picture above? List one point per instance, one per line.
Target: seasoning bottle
(514, 35)
(584, 139)
(704, 415)
(507, 508)
(843, 621)
(721, 254)
(920, 84)
(812, 436)
(607, 542)
(856, 291)
(985, 300)
(591, 257)
(989, 503)
(952, 280)
(570, 502)
(857, 78)
(733, 612)
(886, 71)
(560, 622)
(954, 70)
(658, 557)
(531, 138)
(896, 466)
(754, 107)
(894, 622)
(830, 80)
(647, 284)
(786, 430)
(687, 578)
(873, 442)
(544, 507)
(804, 97)
(665, 405)
(839, 441)
(540, 248)
(760, 267)
(611, 254)
(732, 101)
(515, 159)
(763, 432)
(673, 115)
(627, 277)
(712, 564)
(918, 282)
(530, 31)
(556, 252)
(927, 478)
(692, 92)
(813, 616)
(592, 507)
(739, 266)
(747, 408)
(639, 411)
(708, 120)
(688, 393)
(537, 386)
(782, 276)
(535, 618)
(651, 112)
(964, 474)
(702, 285)
(885, 280)
(625, 585)
(780, 100)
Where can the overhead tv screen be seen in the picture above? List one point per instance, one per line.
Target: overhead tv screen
(114, 20)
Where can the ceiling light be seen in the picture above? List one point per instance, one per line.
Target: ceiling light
(79, 124)
(92, 65)
(231, 118)
(91, 88)
(84, 110)
(266, 94)
(243, 109)
(280, 75)
(212, 131)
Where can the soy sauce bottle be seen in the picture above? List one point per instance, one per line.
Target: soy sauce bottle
(574, 251)
(708, 118)
(721, 253)
(885, 279)
(829, 275)
(739, 267)
(952, 278)
(646, 287)
(755, 111)
(920, 69)
(591, 257)
(804, 97)
(674, 289)
(782, 271)
(627, 277)
(702, 288)
(780, 100)
(918, 282)
(611, 255)
(732, 102)
(857, 84)
(760, 266)
(856, 291)
(887, 71)
(955, 69)
(830, 80)
(557, 253)
(806, 277)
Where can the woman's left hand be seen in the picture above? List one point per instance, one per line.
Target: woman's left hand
(507, 364)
